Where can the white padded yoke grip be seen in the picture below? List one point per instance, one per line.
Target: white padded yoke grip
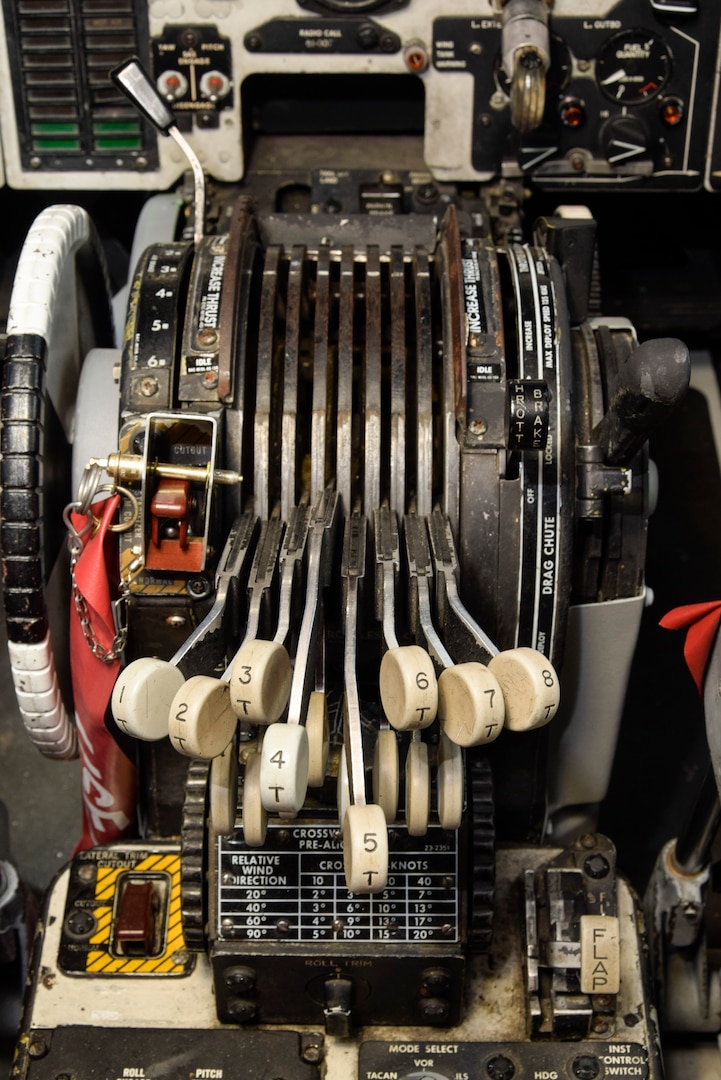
(39, 701)
(55, 235)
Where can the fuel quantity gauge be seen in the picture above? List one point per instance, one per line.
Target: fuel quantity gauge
(633, 67)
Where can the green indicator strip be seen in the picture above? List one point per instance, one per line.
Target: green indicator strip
(56, 129)
(118, 144)
(56, 144)
(117, 127)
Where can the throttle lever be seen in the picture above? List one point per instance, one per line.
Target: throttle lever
(352, 573)
(262, 573)
(365, 834)
(452, 613)
(470, 703)
(321, 536)
(420, 574)
(134, 81)
(260, 674)
(527, 678)
(388, 560)
(284, 757)
(290, 558)
(647, 388)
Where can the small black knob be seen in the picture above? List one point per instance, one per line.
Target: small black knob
(500, 1068)
(586, 1067)
(625, 142)
(241, 1010)
(240, 978)
(435, 1010)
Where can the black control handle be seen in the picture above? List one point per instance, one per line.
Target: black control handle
(647, 388)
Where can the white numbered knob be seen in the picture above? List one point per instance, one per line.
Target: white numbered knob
(470, 704)
(418, 789)
(202, 722)
(255, 815)
(450, 783)
(343, 788)
(529, 685)
(284, 768)
(224, 791)
(316, 725)
(386, 774)
(260, 682)
(142, 696)
(365, 849)
(408, 686)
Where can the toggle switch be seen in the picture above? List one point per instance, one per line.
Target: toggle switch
(138, 918)
(337, 1009)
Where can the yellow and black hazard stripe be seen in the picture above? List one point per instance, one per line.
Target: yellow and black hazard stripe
(101, 960)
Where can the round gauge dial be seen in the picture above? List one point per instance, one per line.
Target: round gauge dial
(633, 67)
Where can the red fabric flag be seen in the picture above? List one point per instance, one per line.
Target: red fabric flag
(702, 622)
(108, 777)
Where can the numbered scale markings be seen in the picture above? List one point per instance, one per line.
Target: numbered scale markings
(297, 881)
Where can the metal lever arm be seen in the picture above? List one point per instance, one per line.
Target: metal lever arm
(320, 558)
(132, 78)
(459, 624)
(387, 567)
(420, 571)
(353, 571)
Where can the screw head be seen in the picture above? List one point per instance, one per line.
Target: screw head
(198, 587)
(149, 386)
(38, 1046)
(207, 336)
(312, 1053)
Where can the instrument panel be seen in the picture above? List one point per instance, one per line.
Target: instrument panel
(626, 90)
